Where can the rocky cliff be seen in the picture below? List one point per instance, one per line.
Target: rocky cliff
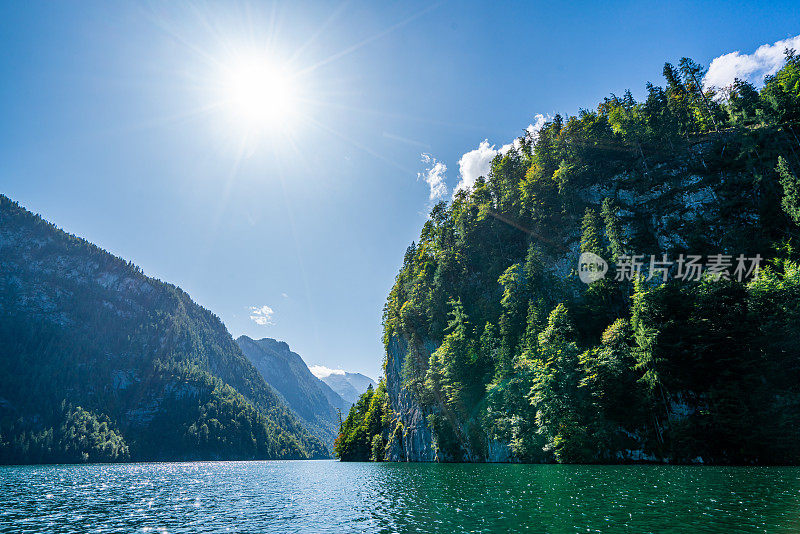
(409, 436)
(498, 350)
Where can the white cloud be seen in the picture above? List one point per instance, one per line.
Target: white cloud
(284, 295)
(434, 176)
(320, 371)
(261, 315)
(515, 144)
(531, 132)
(765, 61)
(533, 129)
(474, 164)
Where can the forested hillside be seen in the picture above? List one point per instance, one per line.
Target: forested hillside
(496, 351)
(312, 400)
(99, 362)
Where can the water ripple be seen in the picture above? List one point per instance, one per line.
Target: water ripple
(332, 497)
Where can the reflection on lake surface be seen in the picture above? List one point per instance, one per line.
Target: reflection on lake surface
(328, 496)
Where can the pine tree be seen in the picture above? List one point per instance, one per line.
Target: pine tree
(592, 236)
(791, 189)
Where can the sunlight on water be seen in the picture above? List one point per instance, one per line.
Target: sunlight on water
(328, 496)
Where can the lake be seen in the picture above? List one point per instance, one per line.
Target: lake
(328, 496)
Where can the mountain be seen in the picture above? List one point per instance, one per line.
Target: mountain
(348, 385)
(311, 399)
(504, 342)
(103, 363)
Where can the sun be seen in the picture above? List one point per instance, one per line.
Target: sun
(259, 92)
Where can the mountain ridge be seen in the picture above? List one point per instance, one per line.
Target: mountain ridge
(311, 399)
(96, 348)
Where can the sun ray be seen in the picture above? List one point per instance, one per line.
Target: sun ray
(263, 95)
(353, 48)
(412, 142)
(222, 204)
(336, 12)
(165, 120)
(389, 115)
(359, 145)
(161, 23)
(297, 249)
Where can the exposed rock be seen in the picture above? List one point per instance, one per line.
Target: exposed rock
(416, 443)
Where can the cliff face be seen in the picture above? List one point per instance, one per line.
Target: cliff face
(478, 290)
(504, 342)
(682, 204)
(409, 435)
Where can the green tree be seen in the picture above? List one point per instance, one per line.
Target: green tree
(791, 190)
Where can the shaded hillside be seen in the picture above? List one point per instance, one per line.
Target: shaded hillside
(496, 351)
(99, 362)
(313, 401)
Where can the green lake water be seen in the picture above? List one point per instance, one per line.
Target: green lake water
(328, 496)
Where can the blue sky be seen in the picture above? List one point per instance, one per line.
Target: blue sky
(111, 129)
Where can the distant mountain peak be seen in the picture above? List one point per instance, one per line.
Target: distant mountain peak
(312, 400)
(348, 385)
